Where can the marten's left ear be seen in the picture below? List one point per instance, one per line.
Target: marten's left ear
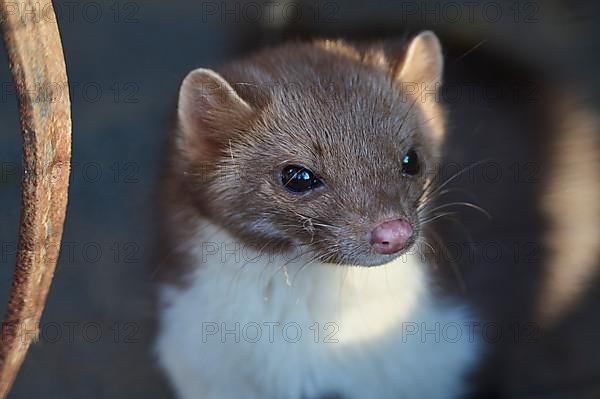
(423, 64)
(420, 77)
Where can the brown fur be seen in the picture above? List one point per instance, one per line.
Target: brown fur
(339, 110)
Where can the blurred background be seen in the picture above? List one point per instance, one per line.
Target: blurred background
(516, 74)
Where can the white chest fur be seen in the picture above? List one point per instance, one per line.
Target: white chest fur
(257, 326)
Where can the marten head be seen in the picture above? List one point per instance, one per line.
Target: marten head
(321, 147)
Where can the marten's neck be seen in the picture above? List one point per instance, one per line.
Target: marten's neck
(366, 300)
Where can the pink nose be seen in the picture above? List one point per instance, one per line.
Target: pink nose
(391, 236)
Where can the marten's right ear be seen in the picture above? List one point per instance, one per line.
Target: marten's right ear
(208, 109)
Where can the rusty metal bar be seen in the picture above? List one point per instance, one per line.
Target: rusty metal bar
(35, 53)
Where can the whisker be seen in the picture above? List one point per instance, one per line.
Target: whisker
(429, 245)
(461, 172)
(453, 264)
(467, 204)
(431, 219)
(427, 194)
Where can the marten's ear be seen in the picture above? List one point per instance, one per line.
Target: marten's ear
(423, 63)
(420, 78)
(208, 108)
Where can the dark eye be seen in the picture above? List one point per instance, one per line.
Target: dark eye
(410, 163)
(298, 179)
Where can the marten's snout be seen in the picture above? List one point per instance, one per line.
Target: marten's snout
(391, 236)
